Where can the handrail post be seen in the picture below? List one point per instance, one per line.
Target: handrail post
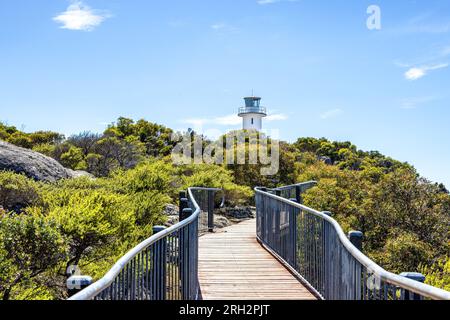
(298, 195)
(406, 294)
(184, 204)
(356, 238)
(211, 210)
(294, 239)
(184, 257)
(277, 226)
(159, 263)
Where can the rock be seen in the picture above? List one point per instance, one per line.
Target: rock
(326, 160)
(239, 212)
(171, 210)
(172, 220)
(33, 164)
(79, 173)
(221, 222)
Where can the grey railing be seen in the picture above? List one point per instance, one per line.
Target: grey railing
(164, 267)
(262, 110)
(314, 247)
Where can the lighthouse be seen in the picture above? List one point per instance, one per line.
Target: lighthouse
(252, 114)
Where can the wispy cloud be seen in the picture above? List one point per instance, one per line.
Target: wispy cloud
(416, 73)
(266, 2)
(218, 26)
(230, 120)
(413, 103)
(421, 67)
(276, 117)
(79, 16)
(331, 113)
(224, 27)
(428, 22)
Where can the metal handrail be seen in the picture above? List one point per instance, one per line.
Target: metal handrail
(104, 283)
(393, 279)
(303, 186)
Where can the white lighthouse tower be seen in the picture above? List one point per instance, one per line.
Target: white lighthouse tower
(252, 114)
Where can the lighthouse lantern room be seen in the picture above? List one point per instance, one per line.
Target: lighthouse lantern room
(252, 114)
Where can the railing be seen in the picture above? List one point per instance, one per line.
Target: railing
(262, 110)
(314, 247)
(164, 267)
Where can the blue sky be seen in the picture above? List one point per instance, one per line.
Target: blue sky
(71, 66)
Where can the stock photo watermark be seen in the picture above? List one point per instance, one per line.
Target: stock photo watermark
(235, 148)
(374, 19)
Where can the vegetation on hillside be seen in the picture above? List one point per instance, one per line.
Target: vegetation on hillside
(92, 222)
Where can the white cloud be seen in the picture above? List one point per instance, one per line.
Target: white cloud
(331, 113)
(276, 117)
(416, 73)
(412, 103)
(79, 16)
(219, 26)
(224, 27)
(229, 120)
(428, 22)
(265, 2)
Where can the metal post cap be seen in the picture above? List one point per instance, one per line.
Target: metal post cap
(157, 229)
(78, 282)
(355, 234)
(414, 276)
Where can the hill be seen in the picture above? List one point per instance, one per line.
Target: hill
(404, 217)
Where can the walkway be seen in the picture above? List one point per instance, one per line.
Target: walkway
(233, 265)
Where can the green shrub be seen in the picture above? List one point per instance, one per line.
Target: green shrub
(46, 149)
(404, 253)
(29, 246)
(213, 176)
(74, 159)
(438, 275)
(20, 139)
(152, 175)
(17, 191)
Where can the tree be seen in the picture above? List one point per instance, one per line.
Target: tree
(20, 139)
(45, 137)
(116, 153)
(438, 275)
(85, 141)
(90, 221)
(74, 159)
(29, 246)
(18, 192)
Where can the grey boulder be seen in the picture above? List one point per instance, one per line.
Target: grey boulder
(33, 164)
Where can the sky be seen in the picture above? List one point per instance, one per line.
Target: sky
(71, 66)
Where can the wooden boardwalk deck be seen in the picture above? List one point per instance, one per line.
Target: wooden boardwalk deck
(234, 266)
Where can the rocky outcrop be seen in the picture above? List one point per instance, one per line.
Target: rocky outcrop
(171, 210)
(239, 212)
(33, 164)
(172, 213)
(326, 160)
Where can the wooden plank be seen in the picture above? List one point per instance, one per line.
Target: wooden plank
(233, 265)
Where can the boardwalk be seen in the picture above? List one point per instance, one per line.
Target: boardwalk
(233, 265)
